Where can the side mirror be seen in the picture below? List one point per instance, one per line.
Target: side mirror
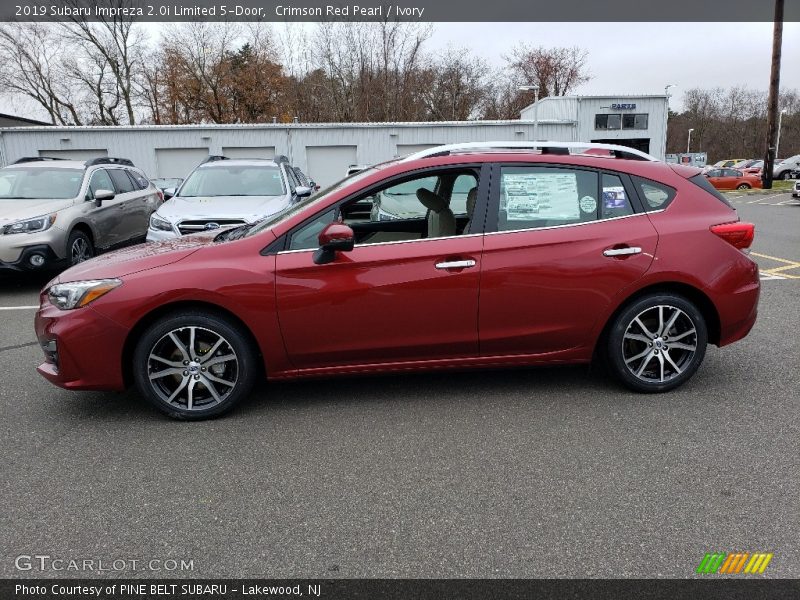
(169, 193)
(102, 195)
(302, 191)
(336, 237)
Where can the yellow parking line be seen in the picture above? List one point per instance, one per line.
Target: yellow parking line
(784, 268)
(783, 260)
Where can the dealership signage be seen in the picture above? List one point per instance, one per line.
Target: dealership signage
(620, 106)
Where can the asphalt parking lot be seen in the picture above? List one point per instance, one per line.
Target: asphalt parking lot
(553, 472)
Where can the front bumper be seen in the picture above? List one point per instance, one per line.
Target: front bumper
(83, 349)
(37, 257)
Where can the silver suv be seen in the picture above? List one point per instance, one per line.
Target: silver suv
(56, 212)
(222, 192)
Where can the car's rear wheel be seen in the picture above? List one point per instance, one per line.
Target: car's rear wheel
(79, 247)
(743, 186)
(657, 343)
(194, 365)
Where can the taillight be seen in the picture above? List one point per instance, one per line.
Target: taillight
(739, 235)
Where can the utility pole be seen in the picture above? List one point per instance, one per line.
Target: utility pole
(772, 103)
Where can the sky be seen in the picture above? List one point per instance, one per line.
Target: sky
(633, 58)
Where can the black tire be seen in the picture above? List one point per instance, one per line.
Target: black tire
(79, 247)
(743, 186)
(627, 340)
(787, 175)
(157, 352)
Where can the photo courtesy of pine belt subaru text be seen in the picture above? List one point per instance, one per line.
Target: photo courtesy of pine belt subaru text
(56, 212)
(223, 191)
(457, 257)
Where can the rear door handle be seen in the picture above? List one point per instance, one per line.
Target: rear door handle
(622, 251)
(455, 264)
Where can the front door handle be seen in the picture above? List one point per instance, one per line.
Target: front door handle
(455, 264)
(622, 251)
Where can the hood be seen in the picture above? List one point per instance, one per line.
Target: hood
(18, 210)
(249, 208)
(138, 258)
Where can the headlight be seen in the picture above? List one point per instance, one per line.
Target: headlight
(76, 294)
(159, 224)
(30, 225)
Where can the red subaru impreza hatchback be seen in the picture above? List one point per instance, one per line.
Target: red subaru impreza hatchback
(474, 255)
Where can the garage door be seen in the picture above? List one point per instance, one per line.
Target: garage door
(178, 162)
(328, 164)
(255, 152)
(404, 149)
(75, 154)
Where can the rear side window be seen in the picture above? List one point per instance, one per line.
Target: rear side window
(654, 195)
(702, 182)
(121, 181)
(139, 181)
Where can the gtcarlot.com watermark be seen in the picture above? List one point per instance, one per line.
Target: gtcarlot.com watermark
(44, 563)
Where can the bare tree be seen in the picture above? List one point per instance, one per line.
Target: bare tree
(34, 67)
(454, 87)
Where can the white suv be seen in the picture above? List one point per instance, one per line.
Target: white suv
(222, 192)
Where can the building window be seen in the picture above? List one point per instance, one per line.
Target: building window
(613, 121)
(634, 121)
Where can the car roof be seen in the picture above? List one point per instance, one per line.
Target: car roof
(50, 164)
(232, 162)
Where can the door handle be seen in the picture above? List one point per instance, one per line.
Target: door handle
(455, 264)
(622, 251)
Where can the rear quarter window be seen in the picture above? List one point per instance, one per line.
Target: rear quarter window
(654, 195)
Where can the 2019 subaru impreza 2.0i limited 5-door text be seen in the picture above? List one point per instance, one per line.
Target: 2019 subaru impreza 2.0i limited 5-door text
(556, 256)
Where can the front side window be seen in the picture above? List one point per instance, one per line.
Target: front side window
(100, 181)
(39, 183)
(536, 197)
(231, 180)
(401, 201)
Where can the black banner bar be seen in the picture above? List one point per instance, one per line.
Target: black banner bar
(745, 11)
(712, 588)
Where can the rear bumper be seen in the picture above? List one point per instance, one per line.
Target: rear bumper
(738, 308)
(88, 348)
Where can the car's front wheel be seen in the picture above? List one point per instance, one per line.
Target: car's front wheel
(194, 365)
(79, 247)
(657, 343)
(743, 186)
(786, 176)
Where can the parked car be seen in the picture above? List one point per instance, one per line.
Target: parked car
(785, 168)
(645, 281)
(753, 168)
(731, 179)
(56, 212)
(222, 192)
(727, 163)
(304, 180)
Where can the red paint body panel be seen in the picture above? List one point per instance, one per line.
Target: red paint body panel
(532, 297)
(380, 303)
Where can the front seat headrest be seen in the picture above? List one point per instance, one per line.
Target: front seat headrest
(472, 196)
(431, 201)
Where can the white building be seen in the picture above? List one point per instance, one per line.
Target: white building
(636, 121)
(325, 150)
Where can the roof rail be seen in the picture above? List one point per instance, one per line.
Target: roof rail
(109, 160)
(214, 158)
(563, 148)
(27, 159)
(281, 158)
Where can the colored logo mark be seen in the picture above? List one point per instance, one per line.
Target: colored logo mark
(734, 562)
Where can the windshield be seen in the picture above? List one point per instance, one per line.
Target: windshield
(233, 181)
(307, 203)
(39, 183)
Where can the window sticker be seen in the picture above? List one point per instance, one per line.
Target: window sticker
(614, 197)
(588, 204)
(531, 196)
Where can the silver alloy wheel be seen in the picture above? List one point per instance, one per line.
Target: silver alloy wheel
(80, 250)
(193, 368)
(659, 343)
